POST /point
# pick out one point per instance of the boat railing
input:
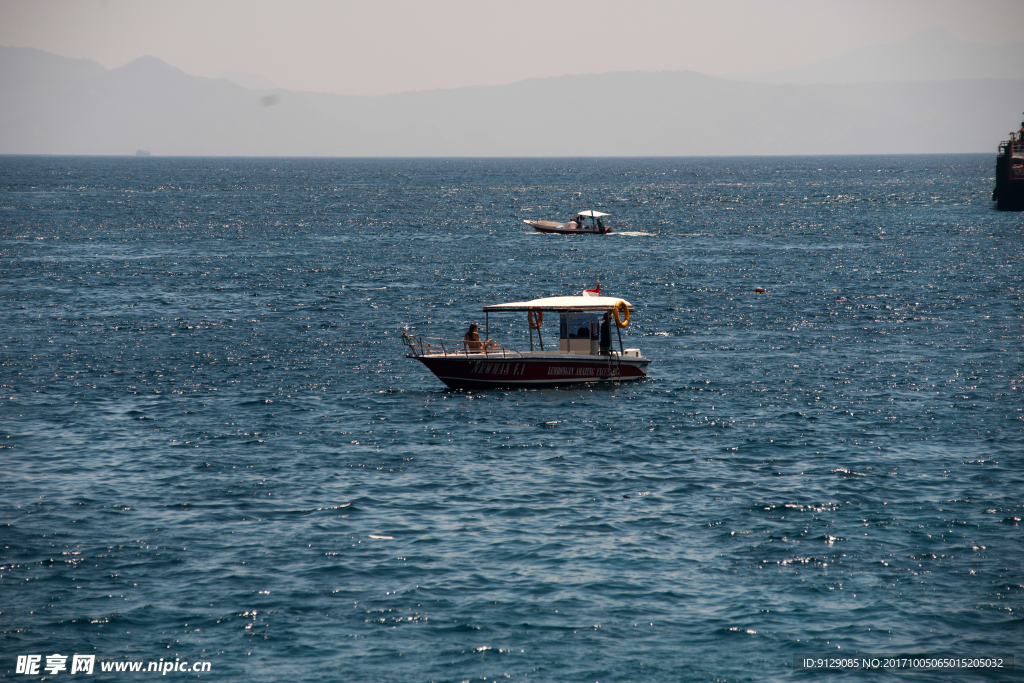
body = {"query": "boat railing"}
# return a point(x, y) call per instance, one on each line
point(448, 348)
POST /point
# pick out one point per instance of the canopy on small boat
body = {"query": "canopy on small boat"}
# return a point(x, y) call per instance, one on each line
point(562, 303)
point(592, 214)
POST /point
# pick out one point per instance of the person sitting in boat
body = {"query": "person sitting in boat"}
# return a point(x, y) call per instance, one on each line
point(573, 224)
point(472, 344)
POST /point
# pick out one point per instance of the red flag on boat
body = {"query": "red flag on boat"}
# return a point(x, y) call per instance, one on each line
point(596, 291)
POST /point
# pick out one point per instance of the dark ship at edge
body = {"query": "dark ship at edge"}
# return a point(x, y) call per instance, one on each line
point(1009, 192)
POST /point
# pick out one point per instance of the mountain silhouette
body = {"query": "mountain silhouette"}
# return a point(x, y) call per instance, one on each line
point(56, 105)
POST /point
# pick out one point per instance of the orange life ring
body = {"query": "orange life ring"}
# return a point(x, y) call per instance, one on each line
point(535, 317)
point(618, 320)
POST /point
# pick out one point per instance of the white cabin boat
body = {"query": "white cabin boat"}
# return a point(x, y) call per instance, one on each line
point(578, 358)
point(583, 223)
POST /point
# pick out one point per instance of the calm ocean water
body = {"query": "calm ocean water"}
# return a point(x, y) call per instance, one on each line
point(215, 451)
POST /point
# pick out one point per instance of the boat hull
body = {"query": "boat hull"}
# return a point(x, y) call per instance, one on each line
point(477, 371)
point(1009, 192)
point(563, 229)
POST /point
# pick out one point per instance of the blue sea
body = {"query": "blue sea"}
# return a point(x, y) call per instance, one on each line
point(214, 452)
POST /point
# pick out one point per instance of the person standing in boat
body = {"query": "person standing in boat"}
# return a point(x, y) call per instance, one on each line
point(606, 335)
point(471, 342)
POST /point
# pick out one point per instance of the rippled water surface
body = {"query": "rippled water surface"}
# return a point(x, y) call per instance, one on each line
point(214, 449)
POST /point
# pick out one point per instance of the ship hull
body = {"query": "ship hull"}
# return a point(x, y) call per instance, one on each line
point(532, 371)
point(1009, 192)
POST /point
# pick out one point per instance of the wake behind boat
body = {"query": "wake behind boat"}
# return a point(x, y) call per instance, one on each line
point(585, 350)
point(584, 223)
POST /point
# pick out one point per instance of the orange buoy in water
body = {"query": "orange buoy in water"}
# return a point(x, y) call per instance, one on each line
point(759, 290)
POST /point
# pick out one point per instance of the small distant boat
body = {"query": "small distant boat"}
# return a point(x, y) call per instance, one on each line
point(585, 352)
point(584, 223)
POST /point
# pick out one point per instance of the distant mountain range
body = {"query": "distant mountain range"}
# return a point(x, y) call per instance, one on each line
point(885, 100)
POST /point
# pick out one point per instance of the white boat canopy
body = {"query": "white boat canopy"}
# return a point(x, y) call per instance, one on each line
point(562, 303)
point(592, 214)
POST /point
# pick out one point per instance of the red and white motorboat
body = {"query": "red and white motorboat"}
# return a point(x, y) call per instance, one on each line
point(579, 357)
point(584, 223)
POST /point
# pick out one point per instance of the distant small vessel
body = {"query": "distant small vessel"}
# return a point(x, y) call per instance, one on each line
point(142, 152)
point(1009, 192)
point(584, 223)
point(585, 351)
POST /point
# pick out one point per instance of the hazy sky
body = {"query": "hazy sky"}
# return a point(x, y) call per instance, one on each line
point(381, 46)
